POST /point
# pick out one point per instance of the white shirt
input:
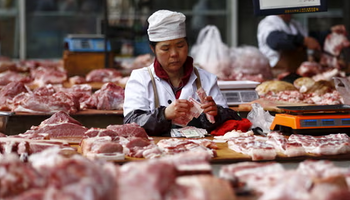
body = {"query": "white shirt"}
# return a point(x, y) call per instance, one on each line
point(139, 92)
point(275, 23)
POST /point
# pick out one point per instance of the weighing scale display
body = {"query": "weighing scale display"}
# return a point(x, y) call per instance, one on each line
point(324, 122)
point(238, 97)
point(82, 44)
point(86, 44)
point(345, 121)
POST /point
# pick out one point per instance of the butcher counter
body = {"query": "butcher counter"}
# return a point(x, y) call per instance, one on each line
point(14, 123)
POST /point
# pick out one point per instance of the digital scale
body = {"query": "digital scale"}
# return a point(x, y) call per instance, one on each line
point(313, 120)
point(238, 92)
point(86, 43)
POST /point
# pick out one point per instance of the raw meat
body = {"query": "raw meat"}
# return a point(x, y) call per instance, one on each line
point(129, 130)
point(100, 132)
point(149, 179)
point(51, 74)
point(332, 144)
point(253, 146)
point(59, 125)
point(309, 69)
point(285, 147)
point(202, 187)
point(12, 76)
point(252, 175)
point(79, 93)
point(103, 75)
point(174, 146)
point(109, 97)
point(17, 176)
point(74, 177)
point(77, 80)
point(58, 118)
point(9, 92)
point(44, 100)
point(190, 162)
point(102, 147)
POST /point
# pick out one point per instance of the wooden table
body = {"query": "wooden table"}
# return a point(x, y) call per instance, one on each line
point(228, 156)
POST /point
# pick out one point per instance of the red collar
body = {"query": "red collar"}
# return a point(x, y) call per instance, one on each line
point(161, 73)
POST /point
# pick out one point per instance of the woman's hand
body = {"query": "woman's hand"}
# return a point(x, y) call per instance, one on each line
point(178, 108)
point(210, 106)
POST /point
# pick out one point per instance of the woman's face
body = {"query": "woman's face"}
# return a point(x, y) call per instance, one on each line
point(172, 54)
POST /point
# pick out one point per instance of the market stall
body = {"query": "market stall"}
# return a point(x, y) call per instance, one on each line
point(62, 131)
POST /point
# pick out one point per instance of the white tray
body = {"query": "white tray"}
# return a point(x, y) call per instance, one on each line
point(237, 84)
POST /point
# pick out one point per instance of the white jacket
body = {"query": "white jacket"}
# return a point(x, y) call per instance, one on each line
point(275, 23)
point(139, 92)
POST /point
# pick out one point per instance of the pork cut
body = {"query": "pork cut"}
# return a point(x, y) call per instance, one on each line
point(9, 76)
point(9, 92)
point(102, 147)
point(254, 146)
point(148, 177)
point(59, 126)
point(109, 97)
point(52, 74)
point(332, 144)
point(201, 187)
point(129, 130)
point(104, 75)
point(44, 100)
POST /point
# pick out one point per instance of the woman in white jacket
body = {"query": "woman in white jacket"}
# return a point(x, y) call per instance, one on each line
point(157, 95)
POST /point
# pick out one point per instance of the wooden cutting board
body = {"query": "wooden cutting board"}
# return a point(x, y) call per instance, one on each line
point(226, 155)
point(269, 105)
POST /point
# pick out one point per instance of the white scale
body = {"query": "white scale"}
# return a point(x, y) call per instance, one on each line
point(238, 92)
point(86, 43)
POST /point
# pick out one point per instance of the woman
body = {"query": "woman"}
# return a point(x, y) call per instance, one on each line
point(157, 96)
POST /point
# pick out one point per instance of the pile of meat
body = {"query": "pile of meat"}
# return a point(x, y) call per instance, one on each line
point(310, 180)
point(331, 62)
point(278, 145)
point(35, 73)
point(114, 142)
point(302, 90)
point(17, 97)
point(39, 87)
point(100, 75)
point(248, 63)
point(51, 175)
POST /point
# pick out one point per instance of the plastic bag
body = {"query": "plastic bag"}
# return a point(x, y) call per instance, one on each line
point(210, 53)
point(260, 118)
point(248, 60)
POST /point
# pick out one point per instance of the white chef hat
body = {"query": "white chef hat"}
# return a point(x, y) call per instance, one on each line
point(166, 25)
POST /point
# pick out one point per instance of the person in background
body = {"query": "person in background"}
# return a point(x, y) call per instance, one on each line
point(287, 44)
point(174, 82)
point(284, 41)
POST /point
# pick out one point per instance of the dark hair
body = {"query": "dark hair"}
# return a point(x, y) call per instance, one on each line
point(153, 44)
